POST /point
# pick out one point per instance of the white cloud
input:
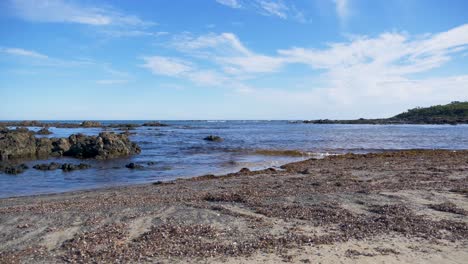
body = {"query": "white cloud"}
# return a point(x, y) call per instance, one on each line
point(227, 51)
point(23, 52)
point(167, 66)
point(230, 3)
point(355, 76)
point(61, 11)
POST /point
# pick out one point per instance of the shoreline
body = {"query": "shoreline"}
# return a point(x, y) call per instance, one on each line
point(355, 207)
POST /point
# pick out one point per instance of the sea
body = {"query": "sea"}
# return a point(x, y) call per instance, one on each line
point(179, 151)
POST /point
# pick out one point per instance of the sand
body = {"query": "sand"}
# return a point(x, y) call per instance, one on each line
point(394, 207)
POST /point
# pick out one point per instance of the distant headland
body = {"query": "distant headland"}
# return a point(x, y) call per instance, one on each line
point(454, 113)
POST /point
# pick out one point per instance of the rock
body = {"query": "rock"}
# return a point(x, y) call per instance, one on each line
point(150, 163)
point(91, 124)
point(128, 133)
point(45, 167)
point(19, 143)
point(123, 126)
point(244, 171)
point(43, 147)
point(13, 169)
point(71, 167)
point(65, 167)
point(154, 124)
point(133, 166)
point(44, 131)
point(105, 146)
point(214, 138)
point(60, 146)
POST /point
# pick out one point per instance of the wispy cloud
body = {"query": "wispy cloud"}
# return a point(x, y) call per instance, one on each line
point(342, 10)
point(61, 11)
point(230, 3)
point(180, 68)
point(32, 62)
point(24, 53)
point(274, 8)
point(133, 33)
point(167, 66)
point(111, 82)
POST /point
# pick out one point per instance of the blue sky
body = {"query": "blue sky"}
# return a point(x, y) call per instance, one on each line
point(229, 59)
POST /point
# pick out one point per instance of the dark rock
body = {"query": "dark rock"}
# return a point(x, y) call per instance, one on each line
point(44, 131)
point(128, 133)
point(133, 166)
point(45, 167)
point(244, 171)
point(214, 138)
point(105, 146)
point(91, 124)
point(21, 143)
point(13, 169)
point(60, 146)
point(123, 126)
point(71, 167)
point(151, 163)
point(65, 167)
point(154, 124)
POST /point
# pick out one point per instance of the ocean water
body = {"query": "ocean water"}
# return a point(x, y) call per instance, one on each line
point(179, 151)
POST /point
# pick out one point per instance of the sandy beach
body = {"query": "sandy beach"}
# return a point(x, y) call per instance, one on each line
point(393, 207)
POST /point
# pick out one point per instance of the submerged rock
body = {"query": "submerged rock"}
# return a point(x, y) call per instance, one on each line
point(44, 131)
point(65, 167)
point(133, 166)
point(71, 167)
point(13, 169)
point(154, 124)
point(214, 138)
point(45, 167)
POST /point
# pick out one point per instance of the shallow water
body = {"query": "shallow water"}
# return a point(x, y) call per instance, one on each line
point(179, 150)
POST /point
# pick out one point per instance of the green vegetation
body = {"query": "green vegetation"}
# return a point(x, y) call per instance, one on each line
point(455, 111)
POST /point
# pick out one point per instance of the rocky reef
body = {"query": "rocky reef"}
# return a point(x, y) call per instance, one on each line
point(22, 143)
point(214, 138)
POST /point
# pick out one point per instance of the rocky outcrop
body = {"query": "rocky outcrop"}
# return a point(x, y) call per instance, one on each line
point(214, 138)
point(154, 124)
point(91, 124)
point(21, 143)
point(43, 131)
point(105, 146)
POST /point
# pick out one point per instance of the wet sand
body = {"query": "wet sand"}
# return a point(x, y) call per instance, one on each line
point(393, 207)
